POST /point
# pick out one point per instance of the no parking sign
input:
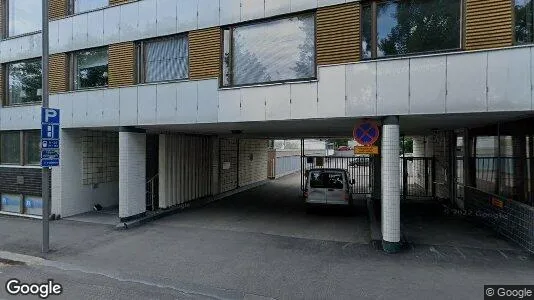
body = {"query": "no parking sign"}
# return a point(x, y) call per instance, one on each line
point(366, 133)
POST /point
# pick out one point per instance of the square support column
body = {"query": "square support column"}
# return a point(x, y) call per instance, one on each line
point(132, 174)
point(391, 185)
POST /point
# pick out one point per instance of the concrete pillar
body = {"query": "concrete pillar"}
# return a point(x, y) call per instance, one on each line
point(391, 185)
point(519, 148)
point(418, 166)
point(132, 173)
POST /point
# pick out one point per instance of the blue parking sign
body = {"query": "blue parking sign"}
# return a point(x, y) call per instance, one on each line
point(50, 129)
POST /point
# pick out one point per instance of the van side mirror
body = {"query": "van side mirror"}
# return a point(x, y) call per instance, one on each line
point(352, 181)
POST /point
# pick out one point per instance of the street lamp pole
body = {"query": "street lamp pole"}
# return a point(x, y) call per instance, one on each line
point(45, 170)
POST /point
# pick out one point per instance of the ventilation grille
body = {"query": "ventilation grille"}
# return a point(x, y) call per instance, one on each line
point(488, 24)
point(58, 79)
point(338, 34)
point(121, 64)
point(204, 53)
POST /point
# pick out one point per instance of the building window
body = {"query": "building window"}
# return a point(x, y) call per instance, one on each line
point(24, 16)
point(10, 148)
point(12, 152)
point(79, 6)
point(391, 28)
point(24, 82)
point(270, 51)
point(32, 141)
point(524, 23)
point(164, 59)
point(90, 68)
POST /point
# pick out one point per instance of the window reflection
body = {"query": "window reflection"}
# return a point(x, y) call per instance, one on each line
point(91, 68)
point(166, 59)
point(24, 16)
point(24, 82)
point(405, 27)
point(523, 21)
point(270, 51)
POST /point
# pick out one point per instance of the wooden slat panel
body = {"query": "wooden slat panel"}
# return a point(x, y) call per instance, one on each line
point(338, 34)
point(111, 2)
point(488, 24)
point(58, 79)
point(58, 9)
point(204, 53)
point(121, 68)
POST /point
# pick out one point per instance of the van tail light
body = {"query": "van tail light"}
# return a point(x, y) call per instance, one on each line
point(346, 196)
point(305, 193)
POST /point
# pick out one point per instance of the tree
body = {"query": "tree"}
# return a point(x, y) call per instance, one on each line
point(406, 145)
point(304, 67)
point(420, 26)
point(523, 21)
point(25, 79)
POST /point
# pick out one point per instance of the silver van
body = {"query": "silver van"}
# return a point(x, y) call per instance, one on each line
point(328, 187)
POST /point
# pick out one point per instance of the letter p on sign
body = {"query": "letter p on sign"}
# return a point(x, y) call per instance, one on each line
point(50, 116)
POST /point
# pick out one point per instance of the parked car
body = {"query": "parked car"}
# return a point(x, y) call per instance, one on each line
point(328, 187)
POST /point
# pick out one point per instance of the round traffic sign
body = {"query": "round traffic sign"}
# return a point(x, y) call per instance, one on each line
point(366, 132)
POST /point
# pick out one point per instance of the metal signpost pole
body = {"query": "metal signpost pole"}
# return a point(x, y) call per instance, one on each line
point(46, 170)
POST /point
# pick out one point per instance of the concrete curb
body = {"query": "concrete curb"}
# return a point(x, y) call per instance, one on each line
point(376, 232)
point(151, 216)
point(21, 258)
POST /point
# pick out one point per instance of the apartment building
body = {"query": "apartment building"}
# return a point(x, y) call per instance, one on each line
point(187, 92)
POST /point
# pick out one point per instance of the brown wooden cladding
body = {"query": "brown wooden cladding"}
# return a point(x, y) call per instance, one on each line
point(204, 53)
point(111, 2)
point(59, 70)
point(488, 24)
point(121, 68)
point(338, 34)
point(58, 9)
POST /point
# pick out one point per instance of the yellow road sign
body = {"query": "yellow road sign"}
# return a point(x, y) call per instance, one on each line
point(373, 150)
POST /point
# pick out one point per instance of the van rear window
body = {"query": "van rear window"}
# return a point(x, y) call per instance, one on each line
point(326, 179)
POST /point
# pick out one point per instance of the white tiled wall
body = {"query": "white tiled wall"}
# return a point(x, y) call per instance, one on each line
point(100, 157)
point(252, 161)
point(390, 184)
point(132, 174)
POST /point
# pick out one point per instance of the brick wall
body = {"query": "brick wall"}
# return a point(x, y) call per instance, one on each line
point(100, 157)
point(31, 178)
point(228, 164)
point(253, 158)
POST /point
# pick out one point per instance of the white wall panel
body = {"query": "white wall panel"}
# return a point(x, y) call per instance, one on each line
point(277, 100)
point(5, 51)
point(277, 7)
point(303, 100)
point(208, 101)
point(298, 5)
point(65, 104)
point(253, 103)
point(94, 107)
point(147, 19)
point(252, 9)
point(110, 104)
point(361, 89)
point(331, 92)
point(166, 16)
point(230, 11)
point(466, 82)
point(428, 85)
point(128, 21)
point(187, 102)
point(95, 29)
point(79, 32)
point(53, 36)
point(208, 13)
point(166, 107)
point(24, 47)
point(128, 106)
point(230, 105)
point(393, 87)
point(112, 18)
point(65, 34)
point(146, 104)
point(20, 117)
point(79, 109)
point(509, 81)
point(187, 15)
